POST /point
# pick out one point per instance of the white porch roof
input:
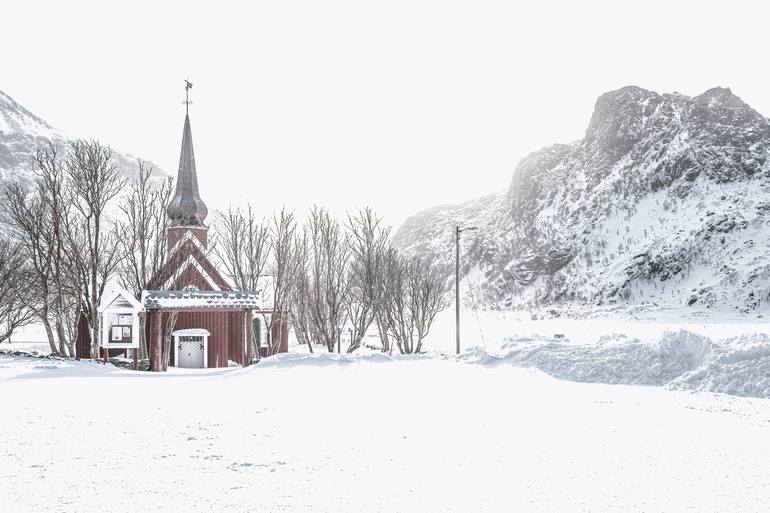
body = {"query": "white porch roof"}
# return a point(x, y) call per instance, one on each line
point(192, 332)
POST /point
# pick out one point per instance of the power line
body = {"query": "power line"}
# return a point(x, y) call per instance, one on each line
point(476, 311)
point(458, 231)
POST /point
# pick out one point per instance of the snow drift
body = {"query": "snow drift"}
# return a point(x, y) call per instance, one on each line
point(678, 360)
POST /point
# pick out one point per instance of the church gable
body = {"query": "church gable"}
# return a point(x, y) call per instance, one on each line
point(191, 276)
point(187, 265)
point(177, 235)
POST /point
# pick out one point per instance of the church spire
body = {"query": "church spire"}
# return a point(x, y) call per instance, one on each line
point(186, 207)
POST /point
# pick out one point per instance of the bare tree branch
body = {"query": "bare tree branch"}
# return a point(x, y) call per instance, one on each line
point(14, 309)
point(243, 245)
point(368, 245)
point(94, 180)
point(282, 269)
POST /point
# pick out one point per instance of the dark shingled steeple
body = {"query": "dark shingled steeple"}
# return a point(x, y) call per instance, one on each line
point(186, 207)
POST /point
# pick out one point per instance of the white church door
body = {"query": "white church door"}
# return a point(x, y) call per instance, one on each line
point(191, 349)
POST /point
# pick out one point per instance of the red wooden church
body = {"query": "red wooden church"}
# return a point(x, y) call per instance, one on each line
point(189, 299)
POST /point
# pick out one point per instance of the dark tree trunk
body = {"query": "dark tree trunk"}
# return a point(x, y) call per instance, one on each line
point(156, 327)
point(143, 336)
point(168, 340)
point(49, 334)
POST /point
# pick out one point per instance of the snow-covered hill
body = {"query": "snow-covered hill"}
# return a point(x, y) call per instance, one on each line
point(664, 202)
point(22, 133)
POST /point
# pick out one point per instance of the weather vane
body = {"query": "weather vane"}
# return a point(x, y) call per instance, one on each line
point(187, 102)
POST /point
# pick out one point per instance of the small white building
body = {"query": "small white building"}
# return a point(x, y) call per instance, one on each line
point(119, 313)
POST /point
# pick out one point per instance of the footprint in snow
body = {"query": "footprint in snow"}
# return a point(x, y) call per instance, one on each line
point(237, 466)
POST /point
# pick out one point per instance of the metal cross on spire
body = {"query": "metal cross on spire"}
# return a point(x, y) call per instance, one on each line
point(187, 86)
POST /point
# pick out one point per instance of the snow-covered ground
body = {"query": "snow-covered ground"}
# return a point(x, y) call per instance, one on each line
point(682, 349)
point(490, 430)
point(370, 433)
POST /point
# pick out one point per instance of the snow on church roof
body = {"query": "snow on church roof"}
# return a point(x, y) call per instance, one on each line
point(196, 299)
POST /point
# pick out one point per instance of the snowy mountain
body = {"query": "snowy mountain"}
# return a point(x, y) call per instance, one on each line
point(665, 202)
point(22, 132)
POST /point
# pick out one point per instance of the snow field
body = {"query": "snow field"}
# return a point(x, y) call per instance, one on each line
point(369, 433)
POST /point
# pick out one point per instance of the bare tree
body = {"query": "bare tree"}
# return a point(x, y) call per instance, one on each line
point(395, 303)
point(14, 309)
point(94, 180)
point(32, 232)
point(143, 238)
point(143, 228)
point(368, 247)
point(75, 255)
point(426, 291)
point(282, 269)
point(413, 297)
point(51, 194)
point(300, 292)
point(322, 283)
point(329, 254)
point(40, 220)
point(243, 245)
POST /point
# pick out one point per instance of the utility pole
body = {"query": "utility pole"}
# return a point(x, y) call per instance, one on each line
point(457, 286)
point(458, 231)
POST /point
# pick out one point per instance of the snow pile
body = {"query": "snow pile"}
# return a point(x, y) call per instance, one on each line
point(739, 366)
point(614, 359)
point(680, 360)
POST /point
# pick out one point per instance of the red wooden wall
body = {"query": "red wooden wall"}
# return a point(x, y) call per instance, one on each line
point(228, 340)
point(83, 338)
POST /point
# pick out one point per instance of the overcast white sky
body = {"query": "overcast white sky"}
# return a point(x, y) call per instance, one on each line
point(400, 105)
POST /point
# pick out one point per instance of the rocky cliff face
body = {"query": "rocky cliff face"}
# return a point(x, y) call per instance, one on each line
point(665, 202)
point(22, 133)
